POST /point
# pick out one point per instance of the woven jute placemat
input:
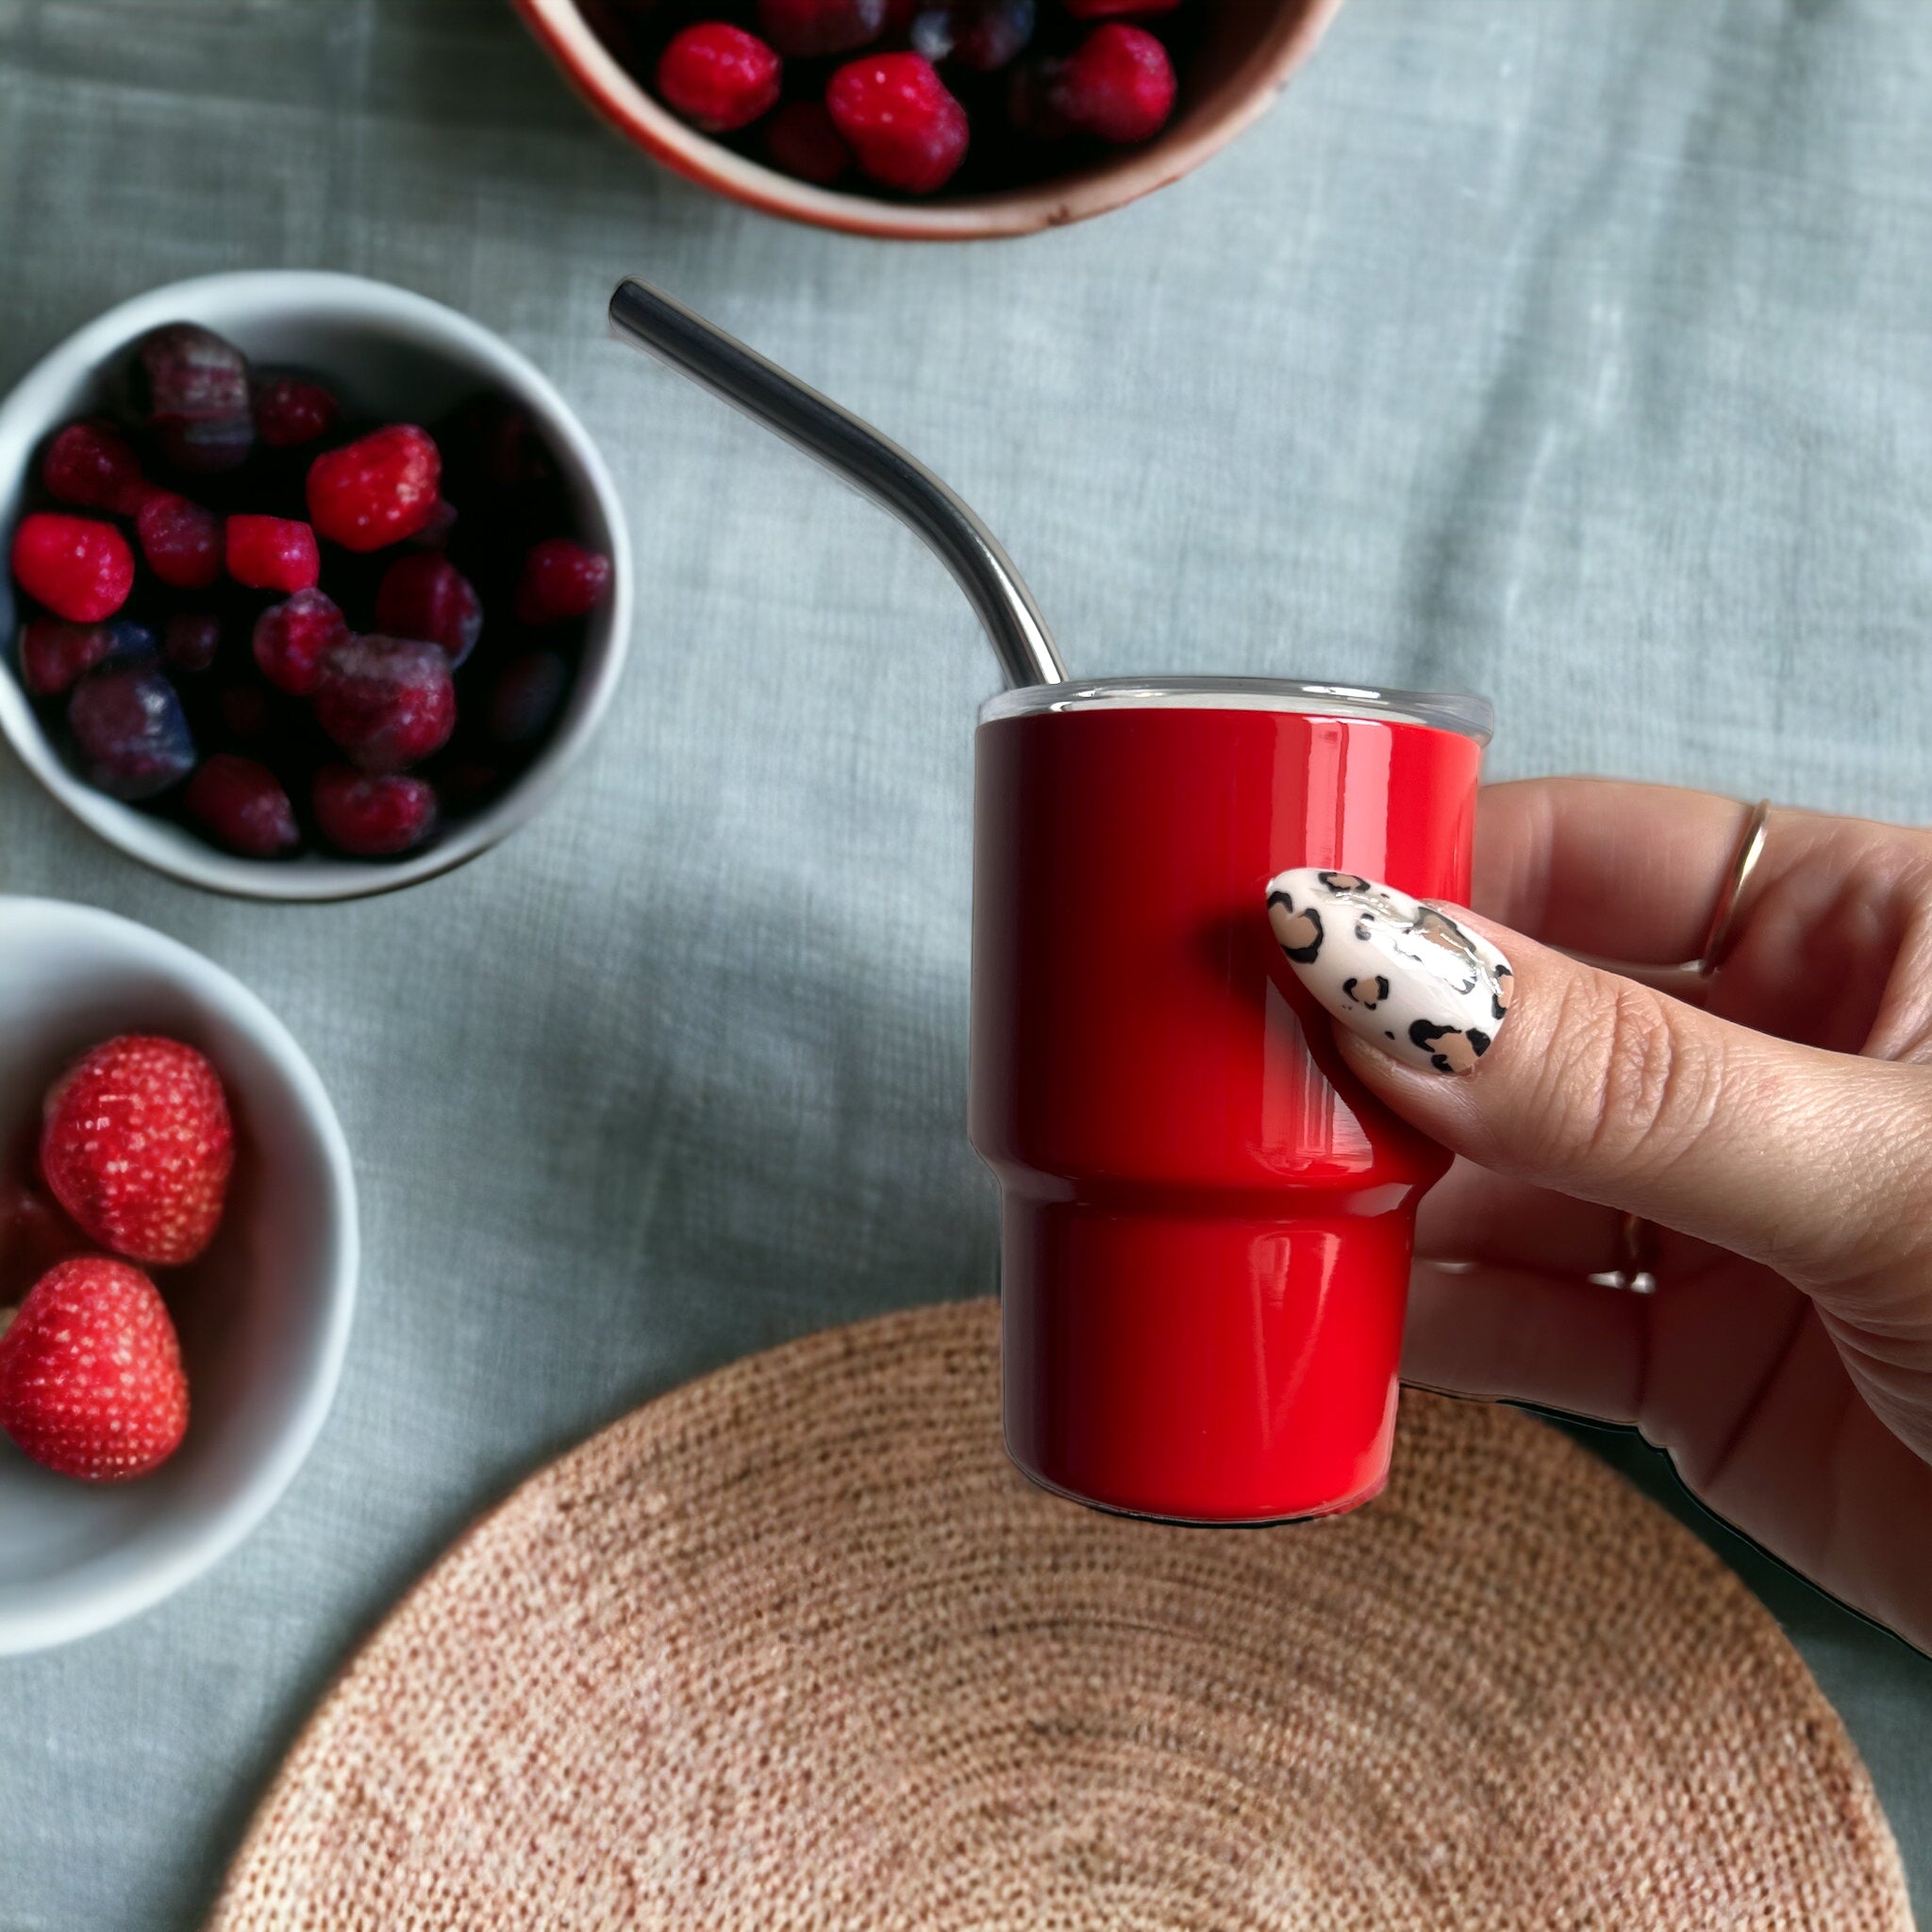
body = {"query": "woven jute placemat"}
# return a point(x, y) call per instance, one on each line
point(795, 1646)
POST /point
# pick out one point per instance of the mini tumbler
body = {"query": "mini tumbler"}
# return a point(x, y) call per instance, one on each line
point(1206, 1224)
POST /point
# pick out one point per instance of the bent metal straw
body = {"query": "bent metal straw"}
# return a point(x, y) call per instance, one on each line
point(876, 466)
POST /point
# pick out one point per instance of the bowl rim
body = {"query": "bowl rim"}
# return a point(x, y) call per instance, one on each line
point(36, 401)
point(561, 30)
point(24, 1630)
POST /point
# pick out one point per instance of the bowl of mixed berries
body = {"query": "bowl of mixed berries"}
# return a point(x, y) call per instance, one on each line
point(930, 119)
point(313, 586)
point(178, 1253)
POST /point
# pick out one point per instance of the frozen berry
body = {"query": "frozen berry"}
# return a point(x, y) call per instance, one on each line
point(247, 711)
point(387, 701)
point(561, 579)
point(190, 641)
point(800, 139)
point(272, 553)
point(493, 440)
point(291, 410)
point(377, 490)
point(425, 595)
point(127, 641)
point(194, 387)
point(137, 1143)
point(293, 639)
point(718, 77)
point(804, 27)
point(79, 568)
point(1118, 84)
point(897, 117)
point(90, 465)
point(983, 35)
point(91, 1378)
point(242, 805)
point(128, 724)
point(55, 654)
point(434, 533)
point(181, 540)
point(372, 816)
point(524, 698)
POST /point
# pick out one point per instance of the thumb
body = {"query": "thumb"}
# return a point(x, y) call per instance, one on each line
point(1606, 1089)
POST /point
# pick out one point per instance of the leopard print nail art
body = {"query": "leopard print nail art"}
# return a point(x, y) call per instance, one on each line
point(1402, 974)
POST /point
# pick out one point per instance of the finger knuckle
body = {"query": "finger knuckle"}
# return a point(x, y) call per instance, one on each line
point(1655, 1091)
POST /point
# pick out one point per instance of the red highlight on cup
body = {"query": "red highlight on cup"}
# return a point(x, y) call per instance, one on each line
point(1207, 1225)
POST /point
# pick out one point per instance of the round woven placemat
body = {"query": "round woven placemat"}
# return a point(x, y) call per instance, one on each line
point(795, 1646)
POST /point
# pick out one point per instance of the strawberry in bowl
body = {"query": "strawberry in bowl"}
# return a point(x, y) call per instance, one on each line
point(177, 1264)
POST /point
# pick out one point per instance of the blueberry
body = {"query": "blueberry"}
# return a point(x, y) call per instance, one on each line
point(129, 727)
point(128, 641)
point(980, 34)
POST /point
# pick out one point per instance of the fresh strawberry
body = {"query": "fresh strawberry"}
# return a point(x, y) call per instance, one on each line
point(136, 1145)
point(91, 1380)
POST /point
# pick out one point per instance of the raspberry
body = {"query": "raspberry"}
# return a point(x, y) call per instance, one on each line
point(387, 701)
point(79, 568)
point(54, 653)
point(897, 117)
point(425, 595)
point(377, 490)
point(800, 139)
point(293, 641)
point(804, 27)
point(88, 465)
point(272, 553)
point(983, 35)
point(91, 1378)
point(190, 641)
point(289, 410)
point(718, 77)
point(560, 580)
point(181, 540)
point(131, 732)
point(194, 387)
point(1118, 84)
point(373, 817)
point(242, 805)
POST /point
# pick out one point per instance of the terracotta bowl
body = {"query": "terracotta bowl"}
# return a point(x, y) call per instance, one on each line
point(1251, 49)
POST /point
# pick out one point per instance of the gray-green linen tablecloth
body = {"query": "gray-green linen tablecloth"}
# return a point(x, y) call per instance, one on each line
point(1575, 352)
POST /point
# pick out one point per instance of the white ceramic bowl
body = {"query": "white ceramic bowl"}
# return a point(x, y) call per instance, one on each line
point(394, 353)
point(263, 1315)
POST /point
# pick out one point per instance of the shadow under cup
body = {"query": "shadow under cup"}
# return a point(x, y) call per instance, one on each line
point(1206, 1223)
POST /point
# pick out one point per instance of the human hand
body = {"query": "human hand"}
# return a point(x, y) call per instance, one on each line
point(1773, 1121)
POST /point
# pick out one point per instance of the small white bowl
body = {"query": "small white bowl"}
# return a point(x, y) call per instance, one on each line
point(394, 353)
point(263, 1315)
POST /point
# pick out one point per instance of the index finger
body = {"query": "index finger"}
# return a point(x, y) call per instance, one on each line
point(1602, 866)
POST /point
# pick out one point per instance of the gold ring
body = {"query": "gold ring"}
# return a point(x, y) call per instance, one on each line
point(1750, 849)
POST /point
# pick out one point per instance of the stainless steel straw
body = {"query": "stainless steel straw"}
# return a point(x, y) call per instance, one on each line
point(858, 452)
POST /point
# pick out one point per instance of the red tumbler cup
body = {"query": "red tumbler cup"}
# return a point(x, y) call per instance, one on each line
point(1206, 1224)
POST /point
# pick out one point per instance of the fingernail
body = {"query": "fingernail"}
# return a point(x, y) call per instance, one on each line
point(1400, 974)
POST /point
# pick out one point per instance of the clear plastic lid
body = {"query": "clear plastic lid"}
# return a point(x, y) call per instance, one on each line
point(1442, 710)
